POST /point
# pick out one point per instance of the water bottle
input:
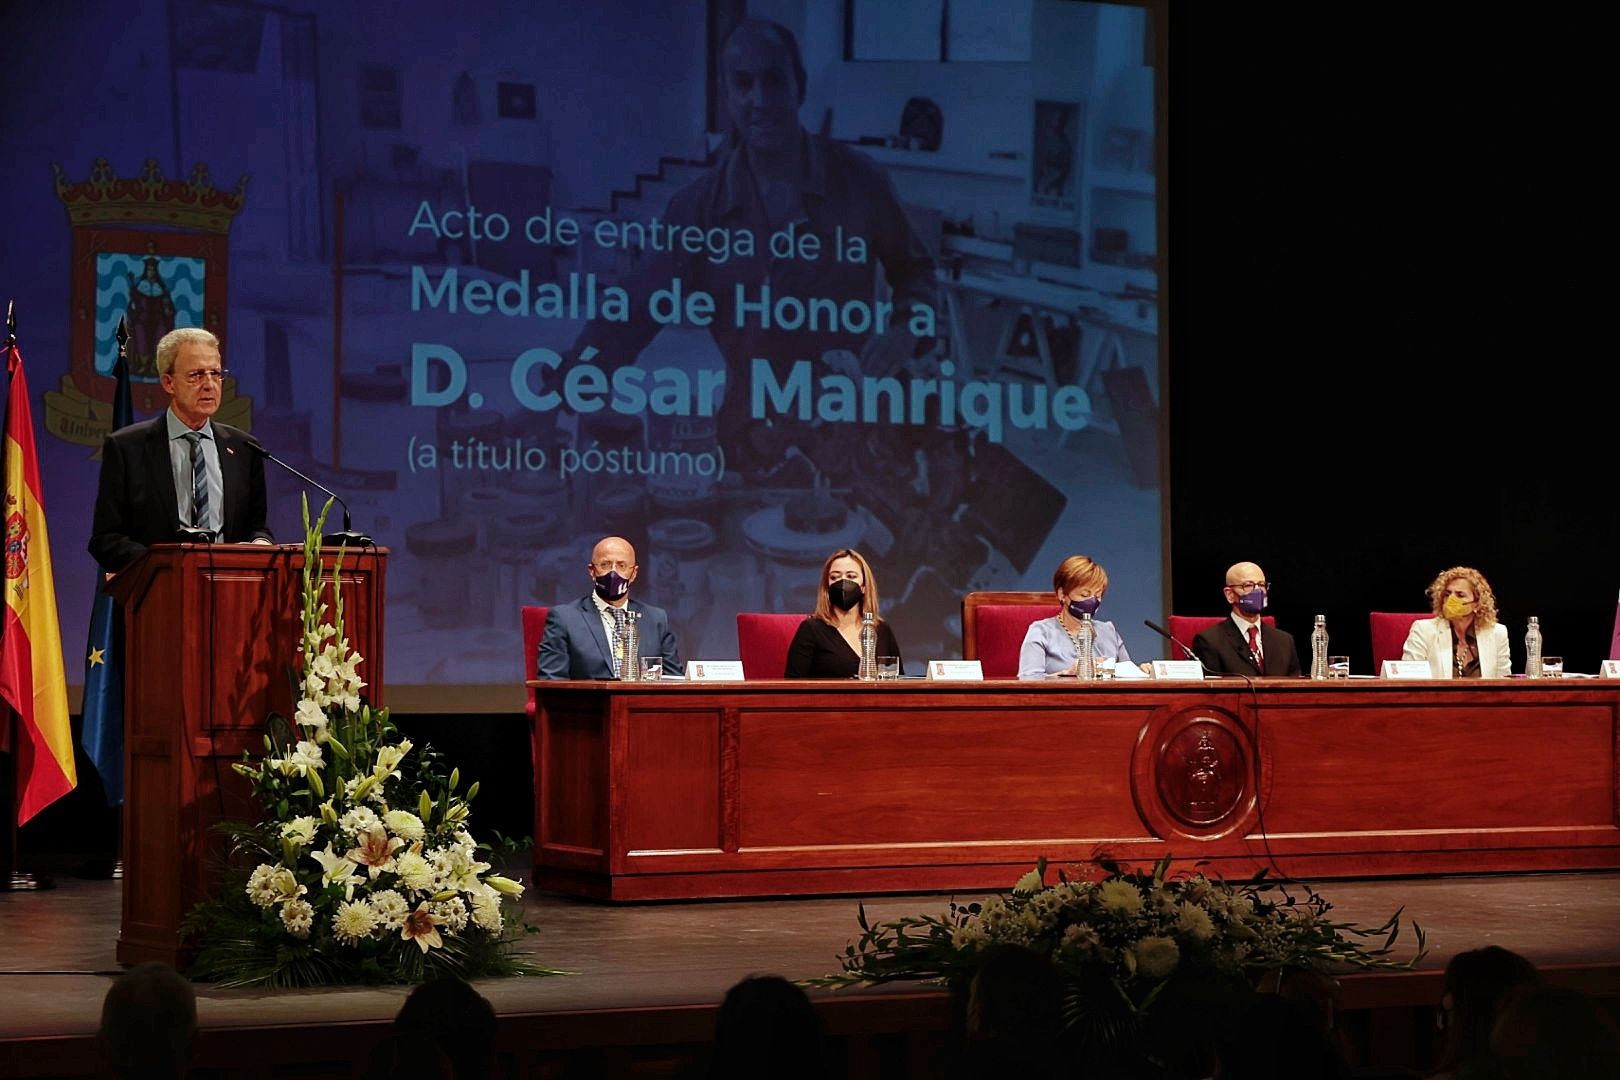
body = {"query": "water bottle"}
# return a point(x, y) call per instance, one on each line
point(1085, 645)
point(630, 648)
point(1532, 649)
point(868, 646)
point(1319, 647)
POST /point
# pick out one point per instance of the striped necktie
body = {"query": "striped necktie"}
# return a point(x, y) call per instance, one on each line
point(199, 481)
point(618, 638)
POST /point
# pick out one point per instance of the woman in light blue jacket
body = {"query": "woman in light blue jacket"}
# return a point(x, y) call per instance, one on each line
point(1050, 647)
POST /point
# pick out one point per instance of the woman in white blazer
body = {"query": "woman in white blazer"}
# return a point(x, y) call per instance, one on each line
point(1463, 640)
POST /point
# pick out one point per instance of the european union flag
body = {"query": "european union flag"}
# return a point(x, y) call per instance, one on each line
point(104, 655)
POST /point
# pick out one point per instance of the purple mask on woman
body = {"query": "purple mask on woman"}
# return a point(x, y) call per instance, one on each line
point(1086, 606)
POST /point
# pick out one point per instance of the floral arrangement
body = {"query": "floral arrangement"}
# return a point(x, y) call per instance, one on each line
point(1128, 941)
point(364, 870)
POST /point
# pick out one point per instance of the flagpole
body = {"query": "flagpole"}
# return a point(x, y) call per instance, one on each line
point(12, 877)
point(8, 772)
point(121, 405)
point(102, 711)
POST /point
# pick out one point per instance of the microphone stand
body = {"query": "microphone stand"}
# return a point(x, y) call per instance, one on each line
point(348, 536)
point(1191, 655)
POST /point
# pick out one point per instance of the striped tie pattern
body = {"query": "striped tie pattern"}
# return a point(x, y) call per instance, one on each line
point(618, 639)
point(199, 481)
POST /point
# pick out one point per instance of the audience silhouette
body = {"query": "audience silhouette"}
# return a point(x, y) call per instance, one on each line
point(148, 1022)
point(1554, 1033)
point(1476, 983)
point(456, 1018)
point(767, 1027)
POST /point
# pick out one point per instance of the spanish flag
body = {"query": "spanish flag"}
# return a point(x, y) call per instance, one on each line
point(31, 677)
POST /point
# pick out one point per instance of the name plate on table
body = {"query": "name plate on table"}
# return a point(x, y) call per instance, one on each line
point(956, 670)
point(714, 671)
point(1609, 670)
point(1177, 669)
point(1406, 669)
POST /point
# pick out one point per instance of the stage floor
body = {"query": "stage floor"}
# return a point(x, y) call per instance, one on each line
point(57, 951)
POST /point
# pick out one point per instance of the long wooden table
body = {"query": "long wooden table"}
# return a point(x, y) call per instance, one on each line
point(672, 790)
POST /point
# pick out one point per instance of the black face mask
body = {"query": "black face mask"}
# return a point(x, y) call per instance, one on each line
point(844, 594)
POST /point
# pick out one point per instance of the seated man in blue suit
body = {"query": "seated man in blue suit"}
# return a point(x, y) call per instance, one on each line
point(580, 638)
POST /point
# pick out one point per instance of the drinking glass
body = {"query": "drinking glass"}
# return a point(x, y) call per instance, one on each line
point(1552, 667)
point(1338, 667)
point(652, 668)
point(888, 667)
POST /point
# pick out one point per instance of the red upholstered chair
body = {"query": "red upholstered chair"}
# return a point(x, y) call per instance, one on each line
point(1389, 630)
point(994, 624)
point(534, 625)
point(762, 643)
point(1186, 627)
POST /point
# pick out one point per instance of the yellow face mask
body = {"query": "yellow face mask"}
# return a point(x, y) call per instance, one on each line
point(1454, 608)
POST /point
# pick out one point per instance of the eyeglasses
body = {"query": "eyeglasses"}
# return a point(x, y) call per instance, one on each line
point(1249, 586)
point(197, 378)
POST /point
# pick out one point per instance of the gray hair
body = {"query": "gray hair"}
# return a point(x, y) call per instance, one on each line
point(170, 344)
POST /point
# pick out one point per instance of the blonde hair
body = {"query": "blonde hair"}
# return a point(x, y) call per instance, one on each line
point(168, 346)
point(1485, 599)
point(1077, 571)
point(869, 602)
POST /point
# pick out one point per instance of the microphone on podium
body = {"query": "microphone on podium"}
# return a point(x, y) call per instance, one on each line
point(348, 535)
point(1183, 646)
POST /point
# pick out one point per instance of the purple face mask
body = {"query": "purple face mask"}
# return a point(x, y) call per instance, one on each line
point(612, 585)
point(1086, 606)
point(1252, 602)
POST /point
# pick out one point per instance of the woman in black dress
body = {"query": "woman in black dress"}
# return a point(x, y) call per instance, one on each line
point(828, 643)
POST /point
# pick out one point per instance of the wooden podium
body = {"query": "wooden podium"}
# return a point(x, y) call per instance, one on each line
point(210, 632)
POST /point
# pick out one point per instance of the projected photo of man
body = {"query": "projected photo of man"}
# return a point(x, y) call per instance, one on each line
point(774, 176)
point(852, 242)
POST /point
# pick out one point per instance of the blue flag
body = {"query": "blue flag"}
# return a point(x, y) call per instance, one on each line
point(104, 655)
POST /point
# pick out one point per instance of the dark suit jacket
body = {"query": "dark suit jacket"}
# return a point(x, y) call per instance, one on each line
point(1223, 649)
point(575, 644)
point(136, 504)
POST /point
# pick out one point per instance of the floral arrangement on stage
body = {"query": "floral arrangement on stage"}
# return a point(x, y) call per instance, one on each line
point(1127, 942)
point(363, 869)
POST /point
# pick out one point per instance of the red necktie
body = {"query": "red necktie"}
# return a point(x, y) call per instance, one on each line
point(1254, 649)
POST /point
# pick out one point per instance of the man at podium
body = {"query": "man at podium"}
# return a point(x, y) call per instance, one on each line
point(181, 474)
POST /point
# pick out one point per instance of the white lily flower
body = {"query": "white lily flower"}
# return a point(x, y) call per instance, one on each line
point(309, 715)
point(307, 756)
point(337, 869)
